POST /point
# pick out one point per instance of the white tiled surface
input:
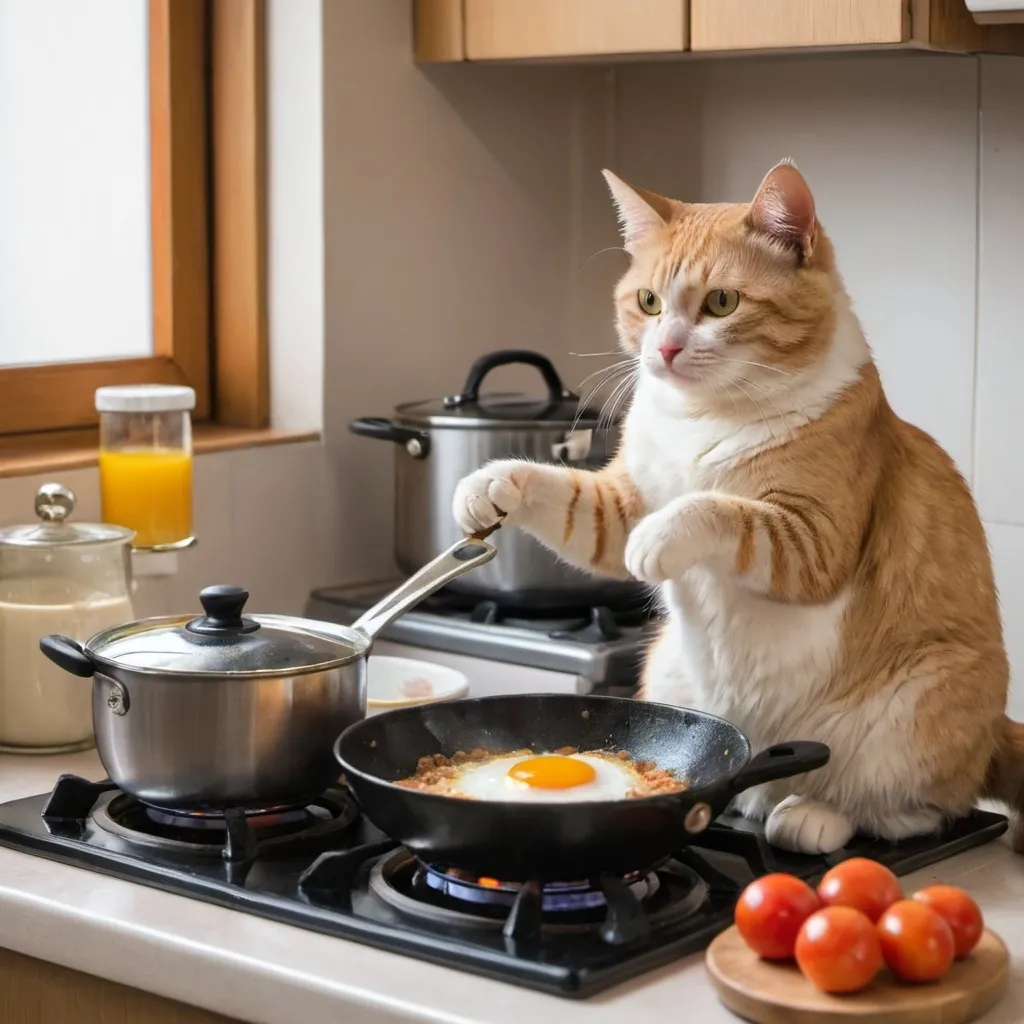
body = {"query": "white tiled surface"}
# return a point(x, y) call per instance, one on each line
point(1007, 544)
point(999, 479)
point(266, 973)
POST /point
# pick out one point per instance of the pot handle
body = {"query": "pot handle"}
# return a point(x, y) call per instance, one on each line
point(68, 654)
point(557, 392)
point(780, 762)
point(415, 442)
point(460, 558)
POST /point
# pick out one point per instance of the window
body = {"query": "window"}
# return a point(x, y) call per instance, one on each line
point(131, 206)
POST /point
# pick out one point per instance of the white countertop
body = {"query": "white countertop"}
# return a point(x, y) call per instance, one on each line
point(268, 973)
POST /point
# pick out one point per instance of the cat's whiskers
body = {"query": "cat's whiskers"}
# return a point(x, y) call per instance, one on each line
point(587, 355)
point(767, 395)
point(609, 370)
point(763, 366)
point(607, 374)
point(600, 252)
point(753, 401)
point(732, 397)
point(615, 400)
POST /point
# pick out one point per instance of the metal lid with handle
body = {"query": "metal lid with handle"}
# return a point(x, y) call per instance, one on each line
point(223, 641)
point(470, 408)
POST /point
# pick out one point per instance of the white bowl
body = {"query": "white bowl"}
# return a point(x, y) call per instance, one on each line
point(404, 683)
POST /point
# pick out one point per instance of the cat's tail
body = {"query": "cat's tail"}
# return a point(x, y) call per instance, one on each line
point(1005, 781)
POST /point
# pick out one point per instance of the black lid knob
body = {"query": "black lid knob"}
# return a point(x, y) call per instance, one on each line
point(223, 606)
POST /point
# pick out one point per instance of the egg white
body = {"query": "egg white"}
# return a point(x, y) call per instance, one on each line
point(490, 781)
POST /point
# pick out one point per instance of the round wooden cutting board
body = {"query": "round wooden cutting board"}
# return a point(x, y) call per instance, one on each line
point(777, 993)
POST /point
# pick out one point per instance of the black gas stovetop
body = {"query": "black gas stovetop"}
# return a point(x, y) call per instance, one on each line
point(328, 869)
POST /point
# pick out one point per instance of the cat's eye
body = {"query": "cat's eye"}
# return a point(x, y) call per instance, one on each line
point(721, 302)
point(649, 302)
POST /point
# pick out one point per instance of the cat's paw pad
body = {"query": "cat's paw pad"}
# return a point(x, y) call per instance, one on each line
point(657, 550)
point(806, 826)
point(485, 497)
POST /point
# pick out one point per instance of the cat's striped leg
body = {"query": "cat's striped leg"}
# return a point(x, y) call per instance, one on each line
point(584, 517)
point(787, 546)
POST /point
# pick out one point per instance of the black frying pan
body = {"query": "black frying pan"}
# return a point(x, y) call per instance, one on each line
point(520, 842)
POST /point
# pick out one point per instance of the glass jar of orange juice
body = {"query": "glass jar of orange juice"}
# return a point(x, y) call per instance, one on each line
point(146, 462)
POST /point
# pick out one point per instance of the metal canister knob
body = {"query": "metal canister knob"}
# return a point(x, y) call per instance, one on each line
point(54, 503)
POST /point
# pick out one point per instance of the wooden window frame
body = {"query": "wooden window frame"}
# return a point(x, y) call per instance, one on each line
point(208, 231)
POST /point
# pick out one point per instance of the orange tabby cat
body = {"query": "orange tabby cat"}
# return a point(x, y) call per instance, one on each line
point(821, 562)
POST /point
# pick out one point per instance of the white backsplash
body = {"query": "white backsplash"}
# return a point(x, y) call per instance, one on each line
point(259, 518)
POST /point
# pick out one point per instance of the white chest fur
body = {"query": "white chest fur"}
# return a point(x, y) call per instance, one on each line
point(757, 662)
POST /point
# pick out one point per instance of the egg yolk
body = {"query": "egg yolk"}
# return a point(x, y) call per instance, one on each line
point(552, 771)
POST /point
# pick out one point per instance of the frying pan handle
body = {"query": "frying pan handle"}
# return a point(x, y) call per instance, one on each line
point(780, 762)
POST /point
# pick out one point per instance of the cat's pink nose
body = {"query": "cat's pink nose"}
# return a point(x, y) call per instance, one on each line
point(669, 351)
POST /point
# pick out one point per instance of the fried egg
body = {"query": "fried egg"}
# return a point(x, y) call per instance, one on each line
point(548, 778)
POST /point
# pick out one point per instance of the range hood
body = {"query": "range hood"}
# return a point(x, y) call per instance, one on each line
point(997, 12)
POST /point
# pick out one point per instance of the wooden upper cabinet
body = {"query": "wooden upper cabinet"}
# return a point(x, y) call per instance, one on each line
point(534, 29)
point(785, 24)
point(482, 30)
point(724, 25)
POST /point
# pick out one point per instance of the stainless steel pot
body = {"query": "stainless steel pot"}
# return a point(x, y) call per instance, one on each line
point(198, 715)
point(439, 442)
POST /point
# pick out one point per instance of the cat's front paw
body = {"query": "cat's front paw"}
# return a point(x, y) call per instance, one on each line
point(489, 495)
point(663, 546)
point(807, 826)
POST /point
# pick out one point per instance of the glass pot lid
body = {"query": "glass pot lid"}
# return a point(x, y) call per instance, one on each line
point(224, 642)
point(54, 506)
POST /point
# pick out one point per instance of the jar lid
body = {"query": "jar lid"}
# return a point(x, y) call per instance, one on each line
point(145, 398)
point(54, 505)
point(223, 642)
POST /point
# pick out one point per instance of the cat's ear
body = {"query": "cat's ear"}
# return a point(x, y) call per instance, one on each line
point(783, 209)
point(640, 212)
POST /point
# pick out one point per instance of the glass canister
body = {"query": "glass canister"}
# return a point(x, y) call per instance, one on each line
point(55, 577)
point(146, 462)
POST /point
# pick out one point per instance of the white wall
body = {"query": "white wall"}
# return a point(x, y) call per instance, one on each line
point(449, 219)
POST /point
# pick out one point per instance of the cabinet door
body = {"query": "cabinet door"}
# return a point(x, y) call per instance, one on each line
point(787, 24)
point(511, 29)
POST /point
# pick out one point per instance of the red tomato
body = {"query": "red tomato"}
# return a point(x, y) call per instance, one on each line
point(860, 883)
point(770, 911)
point(961, 913)
point(916, 941)
point(838, 950)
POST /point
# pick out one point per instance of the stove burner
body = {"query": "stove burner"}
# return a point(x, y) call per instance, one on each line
point(598, 624)
point(235, 836)
point(618, 909)
point(627, 609)
point(218, 822)
point(556, 897)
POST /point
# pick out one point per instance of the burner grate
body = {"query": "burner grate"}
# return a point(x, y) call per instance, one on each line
point(617, 910)
point(234, 836)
